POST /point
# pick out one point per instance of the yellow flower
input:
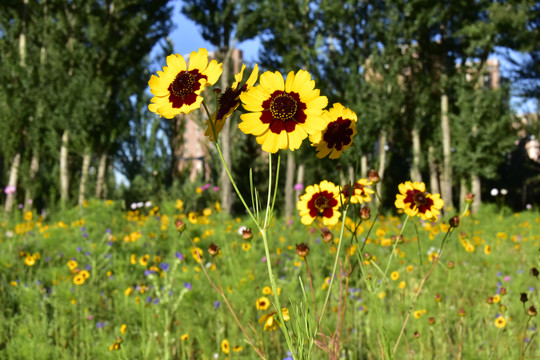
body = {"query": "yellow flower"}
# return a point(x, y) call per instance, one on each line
point(225, 346)
point(143, 260)
point(496, 298)
point(177, 88)
point(207, 212)
point(128, 291)
point(262, 303)
point(85, 274)
point(500, 322)
point(179, 205)
point(487, 249)
point(271, 321)
point(14, 283)
point(402, 284)
point(29, 260)
point(414, 200)
point(238, 348)
point(197, 253)
point(417, 314)
point(184, 337)
point(361, 194)
point(382, 295)
point(229, 100)
point(28, 216)
point(409, 268)
point(192, 217)
point(337, 136)
point(246, 246)
point(72, 265)
point(267, 290)
point(320, 200)
point(78, 279)
point(116, 345)
point(281, 114)
point(123, 329)
point(394, 275)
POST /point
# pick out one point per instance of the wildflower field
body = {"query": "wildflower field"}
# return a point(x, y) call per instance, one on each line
point(101, 282)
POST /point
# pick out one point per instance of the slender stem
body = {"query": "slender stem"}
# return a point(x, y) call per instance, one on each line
point(344, 216)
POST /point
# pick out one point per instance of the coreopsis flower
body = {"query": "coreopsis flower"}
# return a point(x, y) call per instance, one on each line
point(361, 192)
point(271, 321)
point(79, 279)
point(282, 113)
point(225, 347)
point(178, 87)
point(414, 200)
point(338, 134)
point(320, 200)
point(262, 303)
point(500, 322)
point(229, 100)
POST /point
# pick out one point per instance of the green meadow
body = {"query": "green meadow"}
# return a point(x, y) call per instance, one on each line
point(145, 294)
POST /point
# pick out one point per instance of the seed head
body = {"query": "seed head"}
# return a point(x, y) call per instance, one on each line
point(523, 297)
point(247, 235)
point(502, 291)
point(534, 272)
point(531, 311)
point(454, 221)
point(374, 176)
point(302, 250)
point(326, 235)
point(365, 213)
point(213, 249)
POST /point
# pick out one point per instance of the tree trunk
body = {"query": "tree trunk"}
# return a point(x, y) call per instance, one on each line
point(64, 172)
point(289, 185)
point(463, 190)
point(299, 179)
point(363, 167)
point(382, 160)
point(351, 178)
point(34, 168)
point(100, 182)
point(226, 186)
point(12, 182)
point(433, 172)
point(476, 186)
point(447, 160)
point(84, 175)
point(416, 152)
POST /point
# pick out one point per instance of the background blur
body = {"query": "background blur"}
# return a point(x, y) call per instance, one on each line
point(445, 93)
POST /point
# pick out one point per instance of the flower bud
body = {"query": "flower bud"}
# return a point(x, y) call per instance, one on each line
point(531, 311)
point(438, 298)
point(431, 321)
point(213, 249)
point(523, 297)
point(374, 176)
point(534, 272)
point(326, 235)
point(461, 312)
point(450, 265)
point(489, 300)
point(302, 250)
point(416, 334)
point(502, 291)
point(365, 213)
point(180, 226)
point(469, 198)
point(454, 221)
point(247, 235)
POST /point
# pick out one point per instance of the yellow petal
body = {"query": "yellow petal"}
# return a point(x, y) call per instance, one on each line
point(198, 60)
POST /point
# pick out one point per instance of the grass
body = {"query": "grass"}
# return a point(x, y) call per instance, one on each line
point(148, 298)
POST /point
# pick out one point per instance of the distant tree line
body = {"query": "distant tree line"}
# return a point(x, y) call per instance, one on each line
point(73, 99)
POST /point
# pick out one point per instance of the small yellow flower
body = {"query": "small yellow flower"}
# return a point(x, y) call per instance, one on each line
point(402, 284)
point(28, 216)
point(207, 212)
point(382, 295)
point(394, 275)
point(500, 322)
point(72, 265)
point(246, 246)
point(487, 249)
point(128, 291)
point(78, 279)
point(179, 205)
point(85, 274)
point(192, 217)
point(225, 346)
point(184, 337)
point(29, 260)
point(14, 283)
point(267, 290)
point(262, 303)
point(123, 329)
point(238, 348)
point(415, 201)
point(496, 298)
point(417, 314)
point(409, 268)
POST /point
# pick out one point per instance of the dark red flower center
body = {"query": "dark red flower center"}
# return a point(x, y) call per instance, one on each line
point(183, 88)
point(418, 199)
point(227, 101)
point(322, 204)
point(338, 134)
point(283, 111)
point(359, 187)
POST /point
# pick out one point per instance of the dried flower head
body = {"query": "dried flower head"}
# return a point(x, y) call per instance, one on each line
point(302, 250)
